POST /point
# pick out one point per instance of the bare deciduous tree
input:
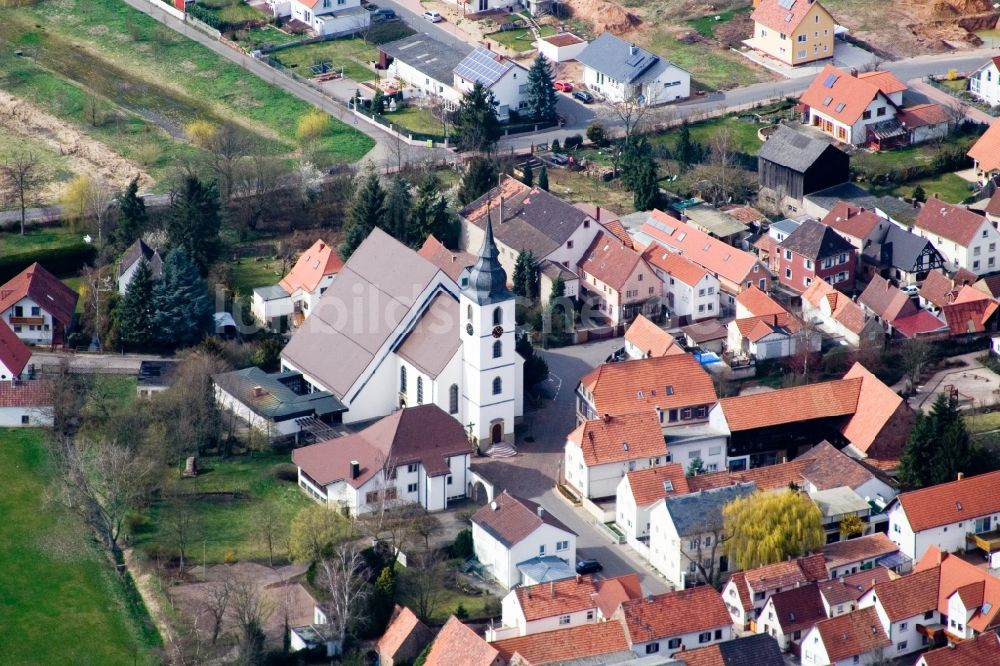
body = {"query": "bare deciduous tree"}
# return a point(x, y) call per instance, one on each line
point(268, 529)
point(180, 525)
point(915, 354)
point(23, 175)
point(255, 179)
point(216, 605)
point(228, 146)
point(251, 609)
point(118, 480)
point(341, 575)
point(423, 579)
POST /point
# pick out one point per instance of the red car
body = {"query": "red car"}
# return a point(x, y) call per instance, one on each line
point(564, 86)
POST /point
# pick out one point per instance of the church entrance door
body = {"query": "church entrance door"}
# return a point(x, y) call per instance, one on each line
point(496, 433)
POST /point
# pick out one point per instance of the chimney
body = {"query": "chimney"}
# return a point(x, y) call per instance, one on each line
point(854, 72)
point(633, 49)
point(961, 475)
point(540, 511)
point(597, 213)
point(552, 589)
point(355, 469)
point(607, 417)
point(258, 391)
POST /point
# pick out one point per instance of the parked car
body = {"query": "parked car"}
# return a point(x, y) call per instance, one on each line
point(583, 96)
point(615, 356)
point(433, 17)
point(383, 15)
point(564, 86)
point(588, 566)
point(910, 289)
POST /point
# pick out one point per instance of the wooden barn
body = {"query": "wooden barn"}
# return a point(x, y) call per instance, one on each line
point(792, 164)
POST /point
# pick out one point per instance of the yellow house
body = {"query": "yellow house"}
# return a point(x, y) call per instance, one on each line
point(793, 31)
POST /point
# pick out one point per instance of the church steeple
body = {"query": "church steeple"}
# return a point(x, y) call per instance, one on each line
point(487, 278)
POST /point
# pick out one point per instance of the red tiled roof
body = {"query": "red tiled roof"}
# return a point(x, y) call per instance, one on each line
point(714, 255)
point(744, 214)
point(667, 382)
point(14, 354)
point(651, 339)
point(33, 393)
point(319, 261)
point(674, 264)
point(613, 592)
point(788, 405)
point(884, 81)
point(842, 308)
point(566, 645)
point(983, 650)
point(920, 323)
point(570, 595)
point(957, 576)
point(921, 115)
point(952, 502)
point(853, 221)
point(457, 645)
point(842, 553)
point(758, 328)
point(986, 150)
point(878, 404)
point(759, 304)
point(937, 288)
point(956, 223)
point(423, 434)
point(799, 608)
point(910, 595)
point(808, 569)
point(617, 229)
point(886, 300)
point(780, 17)
point(615, 439)
point(674, 614)
point(402, 625)
point(830, 468)
point(612, 262)
point(769, 477)
point(851, 634)
point(648, 485)
point(845, 100)
point(43, 288)
point(851, 588)
point(514, 519)
point(452, 262)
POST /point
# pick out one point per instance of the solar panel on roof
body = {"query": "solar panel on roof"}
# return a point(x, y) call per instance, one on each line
point(482, 65)
point(635, 60)
point(830, 80)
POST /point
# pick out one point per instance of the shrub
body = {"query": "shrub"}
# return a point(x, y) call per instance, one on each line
point(595, 133)
point(286, 472)
point(555, 146)
point(572, 142)
point(462, 545)
point(461, 613)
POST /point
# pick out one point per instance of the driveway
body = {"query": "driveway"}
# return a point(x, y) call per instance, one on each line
point(534, 471)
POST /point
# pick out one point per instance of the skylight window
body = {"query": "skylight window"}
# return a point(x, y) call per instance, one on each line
point(831, 80)
point(826, 101)
point(841, 107)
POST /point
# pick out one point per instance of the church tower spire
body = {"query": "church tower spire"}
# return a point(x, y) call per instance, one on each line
point(487, 278)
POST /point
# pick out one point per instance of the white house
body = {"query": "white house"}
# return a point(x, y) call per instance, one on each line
point(857, 109)
point(903, 604)
point(299, 291)
point(416, 455)
point(965, 239)
point(273, 404)
point(37, 306)
point(943, 515)
point(561, 47)
point(764, 329)
point(324, 17)
point(314, 635)
point(620, 71)
point(437, 343)
point(644, 339)
point(666, 624)
point(845, 640)
point(25, 404)
point(571, 602)
point(787, 615)
point(689, 290)
point(14, 355)
point(510, 531)
point(637, 493)
point(425, 67)
point(864, 553)
point(131, 259)
point(747, 592)
point(601, 451)
point(507, 80)
point(837, 315)
point(685, 542)
point(984, 83)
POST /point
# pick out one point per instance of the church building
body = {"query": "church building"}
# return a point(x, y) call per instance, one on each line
point(394, 330)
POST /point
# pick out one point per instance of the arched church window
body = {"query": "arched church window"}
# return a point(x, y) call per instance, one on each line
point(420, 390)
point(497, 386)
point(402, 379)
point(497, 349)
point(497, 316)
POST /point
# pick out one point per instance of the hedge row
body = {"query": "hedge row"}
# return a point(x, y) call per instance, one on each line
point(58, 260)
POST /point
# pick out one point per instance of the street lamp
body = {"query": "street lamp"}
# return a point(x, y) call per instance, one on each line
point(98, 288)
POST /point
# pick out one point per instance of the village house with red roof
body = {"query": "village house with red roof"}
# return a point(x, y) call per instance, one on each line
point(14, 354)
point(837, 315)
point(983, 650)
point(616, 282)
point(985, 154)
point(297, 294)
point(747, 592)
point(814, 251)
point(764, 329)
point(666, 624)
point(637, 492)
point(690, 292)
point(964, 238)
point(794, 32)
point(404, 639)
point(645, 339)
point(38, 307)
point(458, 645)
point(984, 83)
point(570, 602)
point(851, 638)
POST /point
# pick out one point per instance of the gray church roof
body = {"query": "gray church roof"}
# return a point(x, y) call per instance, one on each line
point(700, 512)
point(793, 149)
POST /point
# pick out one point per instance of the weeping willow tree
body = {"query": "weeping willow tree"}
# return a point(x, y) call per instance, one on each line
point(769, 527)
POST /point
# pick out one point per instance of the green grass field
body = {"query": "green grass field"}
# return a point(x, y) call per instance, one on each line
point(352, 54)
point(155, 79)
point(266, 35)
point(416, 119)
point(37, 239)
point(227, 496)
point(61, 603)
point(705, 25)
point(233, 11)
point(948, 187)
point(248, 274)
point(744, 134)
point(520, 39)
point(711, 68)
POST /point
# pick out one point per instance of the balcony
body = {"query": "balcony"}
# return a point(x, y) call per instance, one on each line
point(987, 542)
point(27, 321)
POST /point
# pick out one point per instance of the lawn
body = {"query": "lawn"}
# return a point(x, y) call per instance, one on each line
point(948, 187)
point(352, 54)
point(161, 79)
point(519, 39)
point(705, 25)
point(61, 602)
point(977, 423)
point(38, 239)
point(416, 119)
point(263, 36)
point(233, 11)
point(76, 284)
point(476, 605)
point(744, 134)
point(578, 187)
point(227, 498)
point(958, 85)
point(710, 68)
point(247, 274)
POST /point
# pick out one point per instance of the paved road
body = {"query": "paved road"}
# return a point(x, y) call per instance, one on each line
point(113, 364)
point(534, 471)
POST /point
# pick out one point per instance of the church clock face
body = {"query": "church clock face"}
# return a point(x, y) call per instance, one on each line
point(497, 331)
point(469, 329)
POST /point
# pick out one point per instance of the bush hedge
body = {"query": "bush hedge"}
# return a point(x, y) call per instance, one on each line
point(57, 260)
